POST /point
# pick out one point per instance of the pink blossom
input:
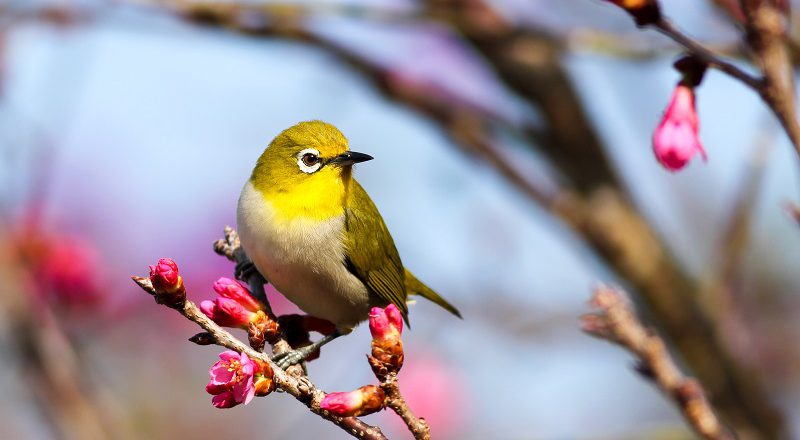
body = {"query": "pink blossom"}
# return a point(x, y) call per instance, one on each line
point(164, 275)
point(232, 381)
point(385, 324)
point(365, 400)
point(676, 140)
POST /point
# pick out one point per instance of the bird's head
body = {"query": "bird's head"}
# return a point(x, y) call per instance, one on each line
point(308, 159)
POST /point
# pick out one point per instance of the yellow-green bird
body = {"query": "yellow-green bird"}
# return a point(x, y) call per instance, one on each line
point(315, 234)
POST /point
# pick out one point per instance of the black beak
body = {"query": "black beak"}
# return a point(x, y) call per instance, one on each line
point(351, 157)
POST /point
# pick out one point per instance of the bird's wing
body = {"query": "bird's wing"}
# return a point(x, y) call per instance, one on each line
point(370, 252)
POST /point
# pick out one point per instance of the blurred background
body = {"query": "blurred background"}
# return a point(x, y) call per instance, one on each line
point(513, 167)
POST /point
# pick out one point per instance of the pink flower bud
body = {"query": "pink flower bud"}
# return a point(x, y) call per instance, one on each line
point(386, 326)
point(228, 288)
point(365, 400)
point(676, 140)
point(232, 380)
point(164, 275)
point(386, 323)
point(235, 307)
point(227, 313)
point(168, 284)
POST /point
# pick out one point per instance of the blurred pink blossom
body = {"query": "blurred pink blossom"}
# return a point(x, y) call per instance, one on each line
point(68, 271)
point(676, 140)
point(436, 391)
point(231, 381)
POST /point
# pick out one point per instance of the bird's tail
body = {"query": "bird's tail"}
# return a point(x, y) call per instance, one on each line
point(417, 287)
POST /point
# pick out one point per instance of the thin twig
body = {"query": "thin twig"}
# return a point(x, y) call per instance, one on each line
point(298, 386)
point(616, 321)
point(667, 28)
point(395, 401)
point(387, 376)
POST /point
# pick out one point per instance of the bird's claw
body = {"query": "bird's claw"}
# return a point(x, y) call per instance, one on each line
point(287, 359)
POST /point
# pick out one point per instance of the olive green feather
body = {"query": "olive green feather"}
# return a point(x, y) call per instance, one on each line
point(374, 259)
point(417, 287)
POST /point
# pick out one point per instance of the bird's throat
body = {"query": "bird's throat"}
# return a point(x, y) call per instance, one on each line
point(312, 199)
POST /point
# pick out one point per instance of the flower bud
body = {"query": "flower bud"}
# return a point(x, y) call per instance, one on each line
point(386, 326)
point(235, 307)
point(226, 312)
point(203, 338)
point(676, 140)
point(263, 380)
point(262, 329)
point(362, 401)
point(644, 12)
point(167, 283)
point(228, 288)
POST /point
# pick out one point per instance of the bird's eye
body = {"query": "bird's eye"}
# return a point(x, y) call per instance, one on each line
point(310, 159)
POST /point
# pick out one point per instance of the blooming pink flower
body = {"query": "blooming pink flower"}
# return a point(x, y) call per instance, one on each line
point(234, 308)
point(231, 381)
point(164, 275)
point(676, 139)
point(386, 323)
point(365, 400)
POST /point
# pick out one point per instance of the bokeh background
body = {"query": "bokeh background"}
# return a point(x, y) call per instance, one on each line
point(128, 128)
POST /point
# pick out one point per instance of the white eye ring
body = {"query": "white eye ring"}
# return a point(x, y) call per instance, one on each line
point(308, 168)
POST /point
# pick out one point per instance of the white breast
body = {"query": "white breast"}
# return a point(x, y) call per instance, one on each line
point(303, 259)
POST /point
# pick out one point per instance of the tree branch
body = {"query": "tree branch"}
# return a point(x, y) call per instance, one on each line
point(298, 386)
point(616, 321)
point(666, 27)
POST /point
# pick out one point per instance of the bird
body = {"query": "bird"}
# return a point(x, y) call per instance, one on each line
point(315, 234)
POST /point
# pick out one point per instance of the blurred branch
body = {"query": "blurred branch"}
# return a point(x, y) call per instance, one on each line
point(530, 63)
point(300, 387)
point(615, 320)
point(718, 295)
point(629, 47)
point(767, 36)
point(49, 364)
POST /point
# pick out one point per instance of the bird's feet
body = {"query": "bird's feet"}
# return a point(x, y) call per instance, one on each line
point(293, 357)
point(244, 270)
